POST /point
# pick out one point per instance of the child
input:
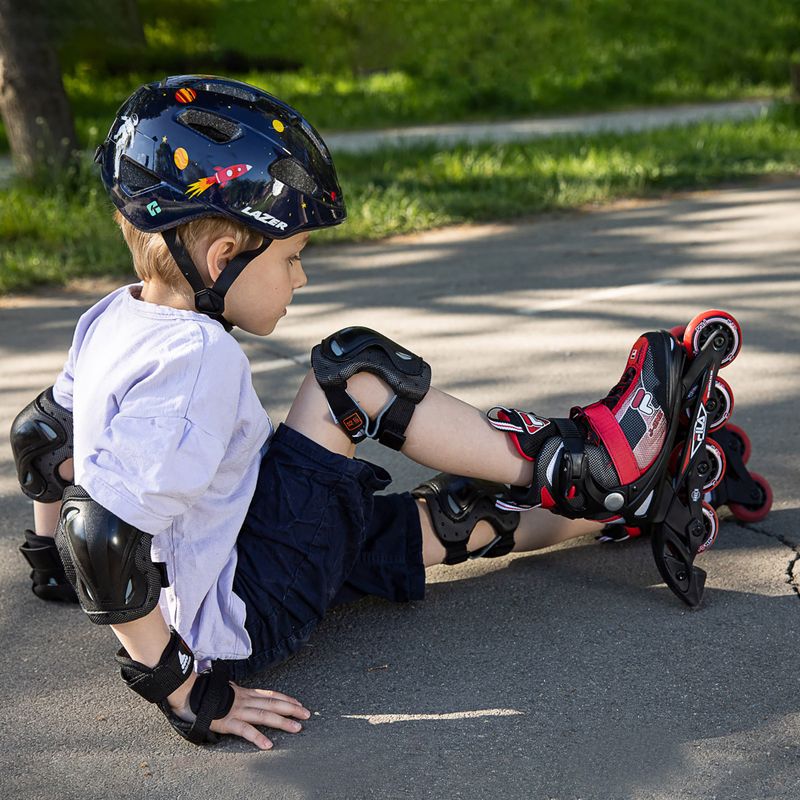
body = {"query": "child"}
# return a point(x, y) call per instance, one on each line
point(201, 535)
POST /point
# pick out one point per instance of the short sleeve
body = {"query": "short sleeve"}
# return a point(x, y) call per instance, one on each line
point(150, 470)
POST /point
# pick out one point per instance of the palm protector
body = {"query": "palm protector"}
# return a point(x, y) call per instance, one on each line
point(107, 561)
point(456, 505)
point(350, 350)
point(211, 696)
point(41, 438)
point(47, 572)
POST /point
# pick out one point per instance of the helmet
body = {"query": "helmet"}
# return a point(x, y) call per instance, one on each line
point(192, 146)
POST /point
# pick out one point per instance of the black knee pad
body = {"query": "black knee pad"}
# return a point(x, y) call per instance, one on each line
point(41, 438)
point(457, 505)
point(350, 350)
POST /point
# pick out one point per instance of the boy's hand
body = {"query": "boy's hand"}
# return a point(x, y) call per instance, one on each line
point(251, 707)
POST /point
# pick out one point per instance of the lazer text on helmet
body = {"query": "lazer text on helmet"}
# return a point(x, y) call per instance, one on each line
point(262, 216)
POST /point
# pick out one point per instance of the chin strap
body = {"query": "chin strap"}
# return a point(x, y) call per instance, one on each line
point(210, 300)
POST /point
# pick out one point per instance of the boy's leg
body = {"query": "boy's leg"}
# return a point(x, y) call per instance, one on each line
point(444, 433)
point(478, 450)
point(537, 529)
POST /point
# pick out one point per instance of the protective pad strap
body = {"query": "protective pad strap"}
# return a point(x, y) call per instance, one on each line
point(211, 698)
point(41, 439)
point(156, 683)
point(47, 572)
point(528, 431)
point(456, 505)
point(107, 560)
point(348, 351)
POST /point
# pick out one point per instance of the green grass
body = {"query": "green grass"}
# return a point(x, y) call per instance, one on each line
point(67, 232)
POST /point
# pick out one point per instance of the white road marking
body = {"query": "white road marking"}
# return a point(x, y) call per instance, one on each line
point(591, 297)
point(383, 719)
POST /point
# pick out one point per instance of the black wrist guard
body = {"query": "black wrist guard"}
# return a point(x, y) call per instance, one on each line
point(211, 696)
point(47, 572)
point(157, 683)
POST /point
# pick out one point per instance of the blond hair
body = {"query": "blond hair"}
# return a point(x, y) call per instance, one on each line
point(152, 259)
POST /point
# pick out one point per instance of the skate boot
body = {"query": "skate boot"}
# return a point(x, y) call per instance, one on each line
point(641, 455)
point(747, 494)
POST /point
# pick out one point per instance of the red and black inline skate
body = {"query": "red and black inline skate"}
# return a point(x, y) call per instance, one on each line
point(642, 456)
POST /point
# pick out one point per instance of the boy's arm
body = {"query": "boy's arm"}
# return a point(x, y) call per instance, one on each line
point(148, 643)
point(109, 562)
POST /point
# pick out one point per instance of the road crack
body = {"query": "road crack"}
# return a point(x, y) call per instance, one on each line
point(791, 576)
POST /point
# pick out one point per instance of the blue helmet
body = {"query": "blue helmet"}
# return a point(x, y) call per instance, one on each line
point(192, 146)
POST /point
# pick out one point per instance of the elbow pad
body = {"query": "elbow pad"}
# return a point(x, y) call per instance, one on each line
point(107, 561)
point(41, 439)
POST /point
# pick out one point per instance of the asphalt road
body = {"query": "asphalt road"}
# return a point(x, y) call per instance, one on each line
point(569, 673)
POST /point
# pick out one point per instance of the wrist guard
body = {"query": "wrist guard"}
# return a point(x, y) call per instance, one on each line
point(211, 696)
point(47, 572)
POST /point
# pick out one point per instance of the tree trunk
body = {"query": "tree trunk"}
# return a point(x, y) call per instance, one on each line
point(33, 103)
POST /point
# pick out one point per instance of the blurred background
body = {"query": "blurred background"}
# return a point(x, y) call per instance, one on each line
point(67, 65)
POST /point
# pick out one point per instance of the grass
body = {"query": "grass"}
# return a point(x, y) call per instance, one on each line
point(67, 231)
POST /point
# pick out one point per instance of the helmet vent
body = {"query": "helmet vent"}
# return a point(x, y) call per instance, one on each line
point(312, 134)
point(212, 126)
point(226, 88)
point(135, 178)
point(293, 174)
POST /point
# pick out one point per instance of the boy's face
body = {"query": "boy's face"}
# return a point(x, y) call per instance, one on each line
point(260, 296)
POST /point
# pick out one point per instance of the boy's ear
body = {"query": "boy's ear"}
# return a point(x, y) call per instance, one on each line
point(219, 253)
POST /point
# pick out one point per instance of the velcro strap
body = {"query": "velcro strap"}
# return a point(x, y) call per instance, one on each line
point(41, 553)
point(605, 425)
point(157, 683)
point(211, 698)
point(347, 412)
point(393, 424)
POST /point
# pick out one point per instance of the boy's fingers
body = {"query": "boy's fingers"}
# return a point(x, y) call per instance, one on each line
point(274, 695)
point(277, 707)
point(239, 727)
point(263, 716)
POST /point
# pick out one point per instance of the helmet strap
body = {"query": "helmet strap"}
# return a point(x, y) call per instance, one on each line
point(210, 300)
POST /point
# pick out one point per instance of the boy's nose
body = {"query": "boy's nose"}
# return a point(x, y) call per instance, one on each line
point(300, 279)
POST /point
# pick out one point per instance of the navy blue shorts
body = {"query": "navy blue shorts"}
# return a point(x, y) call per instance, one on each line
point(316, 536)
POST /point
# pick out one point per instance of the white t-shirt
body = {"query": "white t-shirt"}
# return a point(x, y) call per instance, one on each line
point(168, 432)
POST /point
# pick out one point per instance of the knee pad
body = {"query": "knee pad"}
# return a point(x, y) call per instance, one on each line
point(41, 439)
point(107, 561)
point(457, 505)
point(352, 350)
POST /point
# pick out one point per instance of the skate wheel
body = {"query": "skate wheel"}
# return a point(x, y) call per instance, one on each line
point(678, 332)
point(719, 406)
point(759, 508)
point(714, 323)
point(743, 445)
point(716, 463)
point(711, 521)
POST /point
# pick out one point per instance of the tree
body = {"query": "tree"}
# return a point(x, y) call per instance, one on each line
point(33, 103)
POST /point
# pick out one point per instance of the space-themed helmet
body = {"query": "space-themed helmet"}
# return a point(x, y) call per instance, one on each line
point(191, 146)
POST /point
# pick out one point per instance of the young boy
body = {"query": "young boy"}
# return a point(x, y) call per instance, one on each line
point(201, 535)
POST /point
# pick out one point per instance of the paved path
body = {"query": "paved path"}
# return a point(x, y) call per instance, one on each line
point(571, 673)
point(524, 129)
point(520, 130)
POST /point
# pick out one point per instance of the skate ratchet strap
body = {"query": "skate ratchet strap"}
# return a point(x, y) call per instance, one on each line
point(572, 467)
point(156, 683)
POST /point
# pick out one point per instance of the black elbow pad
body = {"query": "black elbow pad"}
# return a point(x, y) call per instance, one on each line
point(107, 561)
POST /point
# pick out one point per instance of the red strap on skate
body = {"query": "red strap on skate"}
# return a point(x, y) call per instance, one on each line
point(605, 425)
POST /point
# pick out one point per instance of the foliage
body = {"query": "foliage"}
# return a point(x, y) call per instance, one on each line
point(68, 232)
